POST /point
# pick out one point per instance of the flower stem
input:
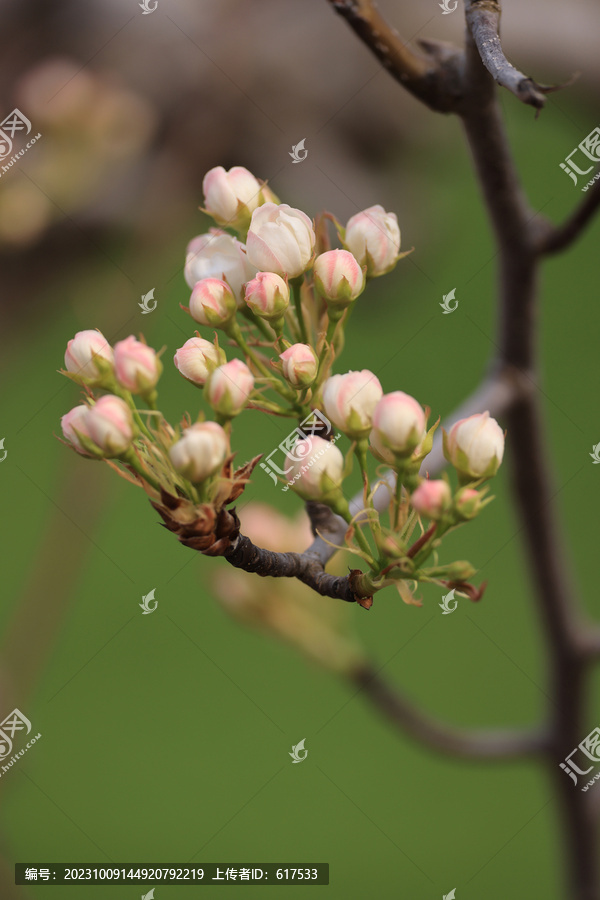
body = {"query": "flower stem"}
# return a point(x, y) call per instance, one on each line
point(236, 335)
point(131, 459)
point(331, 327)
point(398, 500)
point(295, 286)
point(257, 321)
point(343, 510)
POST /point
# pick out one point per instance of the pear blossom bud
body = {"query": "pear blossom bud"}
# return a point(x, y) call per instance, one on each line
point(317, 469)
point(338, 278)
point(197, 358)
point(90, 356)
point(228, 388)
point(281, 239)
point(467, 503)
point(399, 423)
point(231, 197)
point(212, 303)
point(432, 498)
point(268, 296)
point(373, 236)
point(218, 255)
point(200, 452)
point(349, 401)
point(137, 366)
point(300, 365)
point(110, 425)
point(74, 427)
point(475, 447)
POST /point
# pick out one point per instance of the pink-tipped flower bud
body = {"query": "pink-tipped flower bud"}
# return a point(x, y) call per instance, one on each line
point(432, 499)
point(349, 401)
point(475, 447)
point(197, 359)
point(110, 425)
point(231, 197)
point(218, 255)
point(281, 239)
point(338, 278)
point(201, 451)
point(300, 365)
point(268, 296)
point(399, 423)
point(373, 236)
point(90, 357)
point(75, 429)
point(212, 303)
point(317, 469)
point(137, 366)
point(228, 388)
point(467, 503)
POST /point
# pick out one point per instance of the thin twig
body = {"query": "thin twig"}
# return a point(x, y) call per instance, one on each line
point(442, 738)
point(434, 77)
point(483, 19)
point(559, 237)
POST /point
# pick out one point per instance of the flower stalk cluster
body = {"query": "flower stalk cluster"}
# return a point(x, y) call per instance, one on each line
point(274, 299)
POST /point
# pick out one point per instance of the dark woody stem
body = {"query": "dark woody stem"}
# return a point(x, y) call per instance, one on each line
point(463, 82)
point(245, 555)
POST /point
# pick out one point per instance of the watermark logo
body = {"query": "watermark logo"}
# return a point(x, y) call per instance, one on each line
point(590, 150)
point(145, 604)
point(590, 748)
point(446, 601)
point(149, 895)
point(9, 126)
point(447, 9)
point(446, 304)
point(13, 124)
point(147, 10)
point(452, 893)
point(12, 725)
point(292, 450)
point(595, 455)
point(16, 721)
point(297, 750)
point(298, 148)
point(145, 304)
point(5, 452)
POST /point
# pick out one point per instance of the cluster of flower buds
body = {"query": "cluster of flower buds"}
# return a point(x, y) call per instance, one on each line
point(394, 427)
point(109, 425)
point(105, 428)
point(280, 296)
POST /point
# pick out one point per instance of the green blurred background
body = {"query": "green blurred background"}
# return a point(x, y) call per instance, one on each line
point(166, 737)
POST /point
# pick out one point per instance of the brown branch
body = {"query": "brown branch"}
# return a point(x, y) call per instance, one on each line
point(483, 19)
point(243, 554)
point(559, 237)
point(434, 78)
point(465, 744)
point(307, 567)
point(522, 240)
point(532, 486)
